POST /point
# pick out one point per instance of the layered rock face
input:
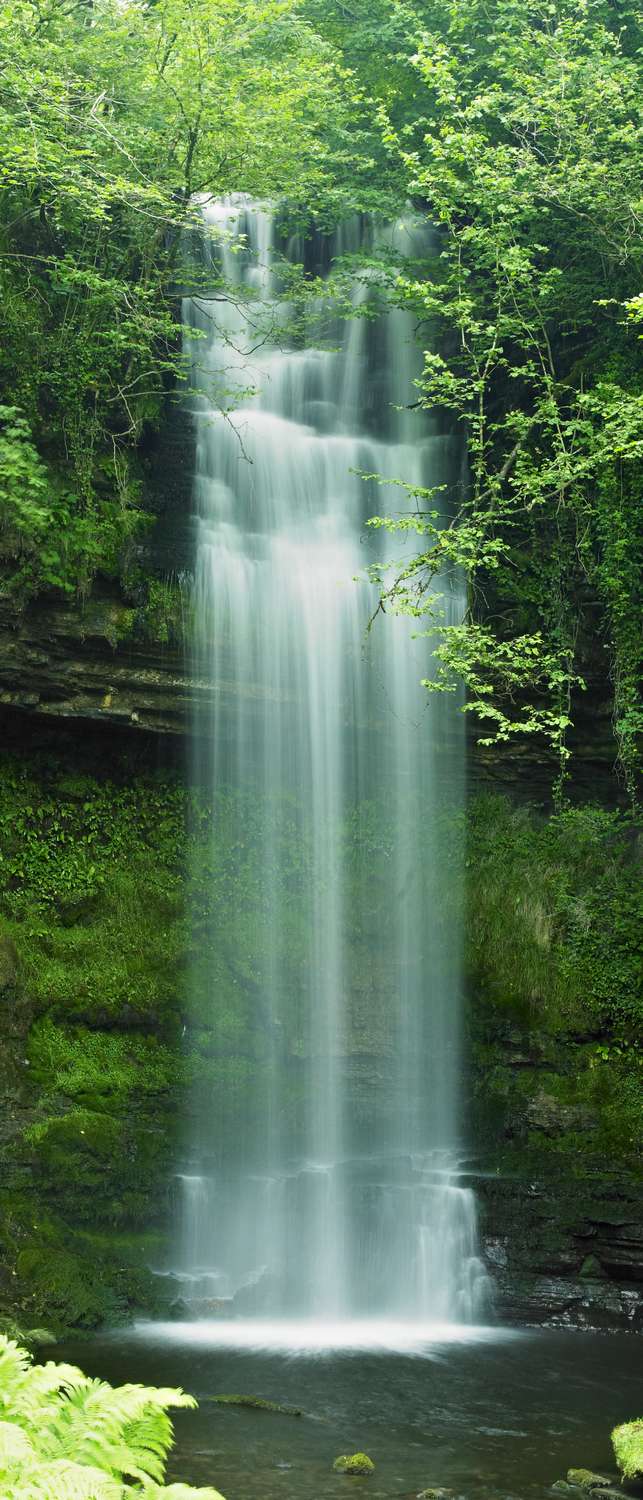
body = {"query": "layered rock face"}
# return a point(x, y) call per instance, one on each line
point(88, 664)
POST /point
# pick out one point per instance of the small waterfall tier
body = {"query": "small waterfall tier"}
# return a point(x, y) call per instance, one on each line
point(321, 1177)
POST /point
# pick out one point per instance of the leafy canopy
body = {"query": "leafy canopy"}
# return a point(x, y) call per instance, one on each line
point(113, 116)
point(524, 145)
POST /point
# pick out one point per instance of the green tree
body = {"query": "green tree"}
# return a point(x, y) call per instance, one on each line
point(526, 151)
point(114, 116)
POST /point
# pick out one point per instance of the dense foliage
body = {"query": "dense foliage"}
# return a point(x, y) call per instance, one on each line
point(524, 143)
point(518, 132)
point(64, 1436)
point(113, 116)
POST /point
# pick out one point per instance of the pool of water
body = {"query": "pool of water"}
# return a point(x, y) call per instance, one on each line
point(492, 1416)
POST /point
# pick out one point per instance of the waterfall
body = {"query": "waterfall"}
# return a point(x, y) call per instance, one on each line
point(336, 788)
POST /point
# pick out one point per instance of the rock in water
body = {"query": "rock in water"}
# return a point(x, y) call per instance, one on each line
point(258, 1403)
point(584, 1479)
point(353, 1463)
point(627, 1442)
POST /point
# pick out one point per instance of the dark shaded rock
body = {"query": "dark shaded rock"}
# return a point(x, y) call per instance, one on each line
point(611, 1493)
point(547, 1114)
point(84, 663)
point(179, 1309)
point(592, 1269)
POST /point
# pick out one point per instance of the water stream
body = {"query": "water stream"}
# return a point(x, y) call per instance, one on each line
point(338, 1196)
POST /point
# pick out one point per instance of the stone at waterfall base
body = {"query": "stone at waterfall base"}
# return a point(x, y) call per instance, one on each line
point(584, 1479)
point(353, 1463)
point(605, 1491)
point(434, 1492)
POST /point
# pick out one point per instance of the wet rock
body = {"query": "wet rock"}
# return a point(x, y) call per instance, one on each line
point(435, 1492)
point(179, 1309)
point(584, 1479)
point(257, 1403)
point(561, 1487)
point(548, 1115)
point(68, 662)
point(353, 1463)
point(591, 1268)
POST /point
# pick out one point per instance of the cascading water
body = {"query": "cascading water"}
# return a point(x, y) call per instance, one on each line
point(336, 791)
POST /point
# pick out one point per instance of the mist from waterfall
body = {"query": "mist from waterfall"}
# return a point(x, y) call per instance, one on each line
point(338, 1194)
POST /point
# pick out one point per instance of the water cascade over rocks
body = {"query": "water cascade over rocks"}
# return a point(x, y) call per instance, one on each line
point(336, 788)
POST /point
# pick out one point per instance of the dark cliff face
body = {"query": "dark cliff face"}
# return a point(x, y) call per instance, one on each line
point(85, 664)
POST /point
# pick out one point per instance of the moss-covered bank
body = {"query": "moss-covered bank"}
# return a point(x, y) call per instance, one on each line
point(109, 1025)
point(554, 936)
point(92, 903)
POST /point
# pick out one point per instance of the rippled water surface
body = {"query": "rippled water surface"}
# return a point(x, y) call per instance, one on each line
point(495, 1416)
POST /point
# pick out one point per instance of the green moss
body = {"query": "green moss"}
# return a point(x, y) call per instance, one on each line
point(97, 1068)
point(553, 950)
point(58, 1285)
point(627, 1442)
point(554, 914)
point(354, 1463)
point(585, 1479)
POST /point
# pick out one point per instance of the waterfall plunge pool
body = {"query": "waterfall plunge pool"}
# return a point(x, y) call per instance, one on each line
point(489, 1414)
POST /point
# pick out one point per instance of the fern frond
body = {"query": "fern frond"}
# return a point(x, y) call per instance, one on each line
point(124, 1430)
point(179, 1492)
point(65, 1436)
point(15, 1364)
point(62, 1480)
point(15, 1447)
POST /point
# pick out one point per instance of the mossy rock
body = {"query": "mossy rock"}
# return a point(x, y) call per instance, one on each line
point(60, 1289)
point(353, 1463)
point(627, 1442)
point(56, 1285)
point(77, 1147)
point(257, 1403)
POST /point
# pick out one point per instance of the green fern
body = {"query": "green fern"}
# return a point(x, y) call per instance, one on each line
point(65, 1436)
